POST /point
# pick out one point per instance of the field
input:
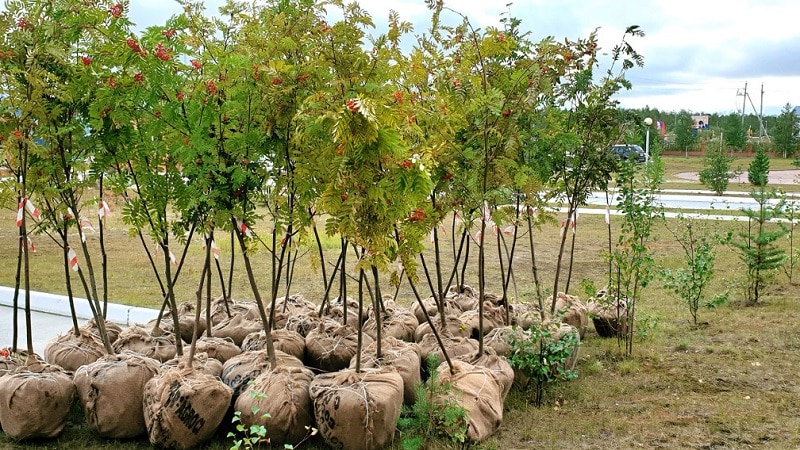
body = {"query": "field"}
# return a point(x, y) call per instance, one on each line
point(730, 382)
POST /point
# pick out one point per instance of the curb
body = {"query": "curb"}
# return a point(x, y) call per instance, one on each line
point(59, 305)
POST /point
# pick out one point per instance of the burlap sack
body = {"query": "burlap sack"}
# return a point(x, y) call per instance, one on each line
point(303, 324)
point(477, 390)
point(10, 361)
point(454, 327)
point(403, 356)
point(357, 411)
point(498, 365)
point(499, 339)
point(186, 314)
point(236, 328)
point(281, 393)
point(35, 400)
point(464, 302)
point(294, 305)
point(221, 349)
point(112, 330)
point(450, 309)
point(240, 370)
point(389, 306)
point(572, 311)
point(201, 363)
point(610, 318)
point(525, 315)
point(183, 408)
point(287, 341)
point(398, 322)
point(330, 348)
point(455, 346)
point(219, 313)
point(493, 317)
point(335, 311)
point(139, 339)
point(111, 391)
point(71, 351)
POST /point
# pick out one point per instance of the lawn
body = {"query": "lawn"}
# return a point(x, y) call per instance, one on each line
point(729, 382)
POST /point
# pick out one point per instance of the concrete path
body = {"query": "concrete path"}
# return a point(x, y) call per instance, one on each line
point(50, 317)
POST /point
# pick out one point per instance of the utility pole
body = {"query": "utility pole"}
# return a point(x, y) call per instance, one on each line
point(763, 130)
point(744, 102)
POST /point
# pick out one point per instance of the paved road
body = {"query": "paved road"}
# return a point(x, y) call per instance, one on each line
point(51, 317)
point(45, 327)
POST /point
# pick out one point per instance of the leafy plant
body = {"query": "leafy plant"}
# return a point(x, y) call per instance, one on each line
point(431, 417)
point(251, 436)
point(632, 261)
point(543, 357)
point(690, 280)
point(646, 326)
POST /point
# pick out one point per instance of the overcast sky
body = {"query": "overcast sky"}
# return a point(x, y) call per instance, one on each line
point(698, 54)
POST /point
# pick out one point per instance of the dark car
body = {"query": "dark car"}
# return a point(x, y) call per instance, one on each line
point(629, 151)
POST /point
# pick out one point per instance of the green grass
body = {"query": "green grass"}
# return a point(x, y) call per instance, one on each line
point(726, 384)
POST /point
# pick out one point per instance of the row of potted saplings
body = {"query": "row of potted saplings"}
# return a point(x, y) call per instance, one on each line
point(318, 379)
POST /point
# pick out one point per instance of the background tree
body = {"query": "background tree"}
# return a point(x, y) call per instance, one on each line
point(734, 133)
point(717, 172)
point(762, 257)
point(684, 139)
point(786, 134)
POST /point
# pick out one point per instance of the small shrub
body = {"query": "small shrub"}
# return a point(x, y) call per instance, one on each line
point(429, 417)
point(252, 436)
point(646, 326)
point(542, 358)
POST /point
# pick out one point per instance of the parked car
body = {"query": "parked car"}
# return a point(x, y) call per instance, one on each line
point(629, 151)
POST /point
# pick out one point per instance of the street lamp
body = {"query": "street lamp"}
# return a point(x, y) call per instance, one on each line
point(647, 121)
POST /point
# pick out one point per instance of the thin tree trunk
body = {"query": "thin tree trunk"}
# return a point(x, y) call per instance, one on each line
point(254, 286)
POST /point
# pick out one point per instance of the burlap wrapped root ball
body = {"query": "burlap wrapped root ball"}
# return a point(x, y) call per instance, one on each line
point(398, 322)
point(236, 328)
point(10, 360)
point(35, 400)
point(455, 347)
point(153, 343)
point(183, 407)
point(357, 411)
point(285, 340)
point(493, 317)
point(186, 325)
point(572, 311)
point(71, 351)
point(221, 349)
point(220, 309)
point(279, 400)
point(402, 356)
point(201, 363)
point(497, 364)
point(609, 316)
point(477, 390)
point(112, 329)
point(331, 346)
point(453, 327)
point(240, 370)
point(111, 391)
point(430, 306)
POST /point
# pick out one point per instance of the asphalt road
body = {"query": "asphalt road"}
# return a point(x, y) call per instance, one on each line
point(45, 326)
